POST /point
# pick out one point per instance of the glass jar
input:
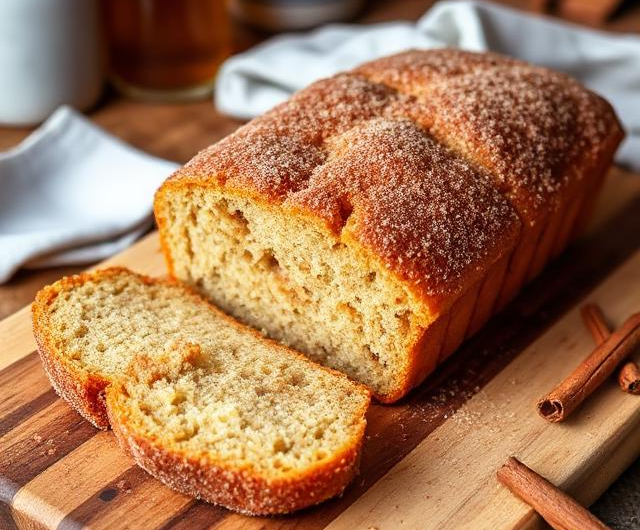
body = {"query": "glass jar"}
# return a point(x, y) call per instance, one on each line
point(166, 50)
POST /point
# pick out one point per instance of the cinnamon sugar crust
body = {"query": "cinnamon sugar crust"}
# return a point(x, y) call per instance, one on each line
point(276, 153)
point(536, 131)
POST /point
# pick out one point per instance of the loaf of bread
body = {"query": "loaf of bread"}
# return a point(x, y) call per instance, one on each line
point(379, 217)
point(201, 402)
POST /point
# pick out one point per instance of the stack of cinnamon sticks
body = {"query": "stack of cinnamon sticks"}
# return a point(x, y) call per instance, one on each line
point(629, 374)
point(611, 350)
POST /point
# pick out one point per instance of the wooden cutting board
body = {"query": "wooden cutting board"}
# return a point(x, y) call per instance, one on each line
point(429, 461)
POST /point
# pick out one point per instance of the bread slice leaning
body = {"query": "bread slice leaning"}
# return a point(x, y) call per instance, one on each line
point(203, 403)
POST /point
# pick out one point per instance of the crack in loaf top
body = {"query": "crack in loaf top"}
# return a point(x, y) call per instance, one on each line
point(276, 153)
point(534, 129)
point(427, 214)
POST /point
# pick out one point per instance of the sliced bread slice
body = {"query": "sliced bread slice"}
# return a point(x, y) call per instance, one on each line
point(267, 436)
point(203, 403)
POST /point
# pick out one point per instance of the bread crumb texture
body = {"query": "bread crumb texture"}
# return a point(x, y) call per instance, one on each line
point(244, 422)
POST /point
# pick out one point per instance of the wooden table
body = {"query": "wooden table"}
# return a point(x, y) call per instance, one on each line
point(176, 132)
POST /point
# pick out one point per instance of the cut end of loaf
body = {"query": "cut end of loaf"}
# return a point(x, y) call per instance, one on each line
point(293, 279)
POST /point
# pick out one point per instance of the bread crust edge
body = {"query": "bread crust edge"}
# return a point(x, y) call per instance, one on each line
point(236, 488)
point(84, 392)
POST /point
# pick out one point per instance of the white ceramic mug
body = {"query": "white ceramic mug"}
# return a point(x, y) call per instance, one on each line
point(50, 55)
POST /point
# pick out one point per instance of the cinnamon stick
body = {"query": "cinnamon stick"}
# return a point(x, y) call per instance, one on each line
point(629, 375)
point(629, 378)
point(595, 322)
point(591, 372)
point(561, 511)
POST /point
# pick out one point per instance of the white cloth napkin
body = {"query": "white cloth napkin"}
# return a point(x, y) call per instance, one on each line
point(251, 83)
point(71, 193)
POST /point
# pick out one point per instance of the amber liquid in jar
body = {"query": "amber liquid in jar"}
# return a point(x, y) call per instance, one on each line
point(166, 49)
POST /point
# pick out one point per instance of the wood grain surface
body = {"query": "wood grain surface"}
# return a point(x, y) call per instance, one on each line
point(432, 457)
point(435, 452)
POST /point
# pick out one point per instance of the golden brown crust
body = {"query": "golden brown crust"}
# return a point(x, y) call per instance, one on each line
point(83, 391)
point(534, 129)
point(239, 489)
point(529, 132)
